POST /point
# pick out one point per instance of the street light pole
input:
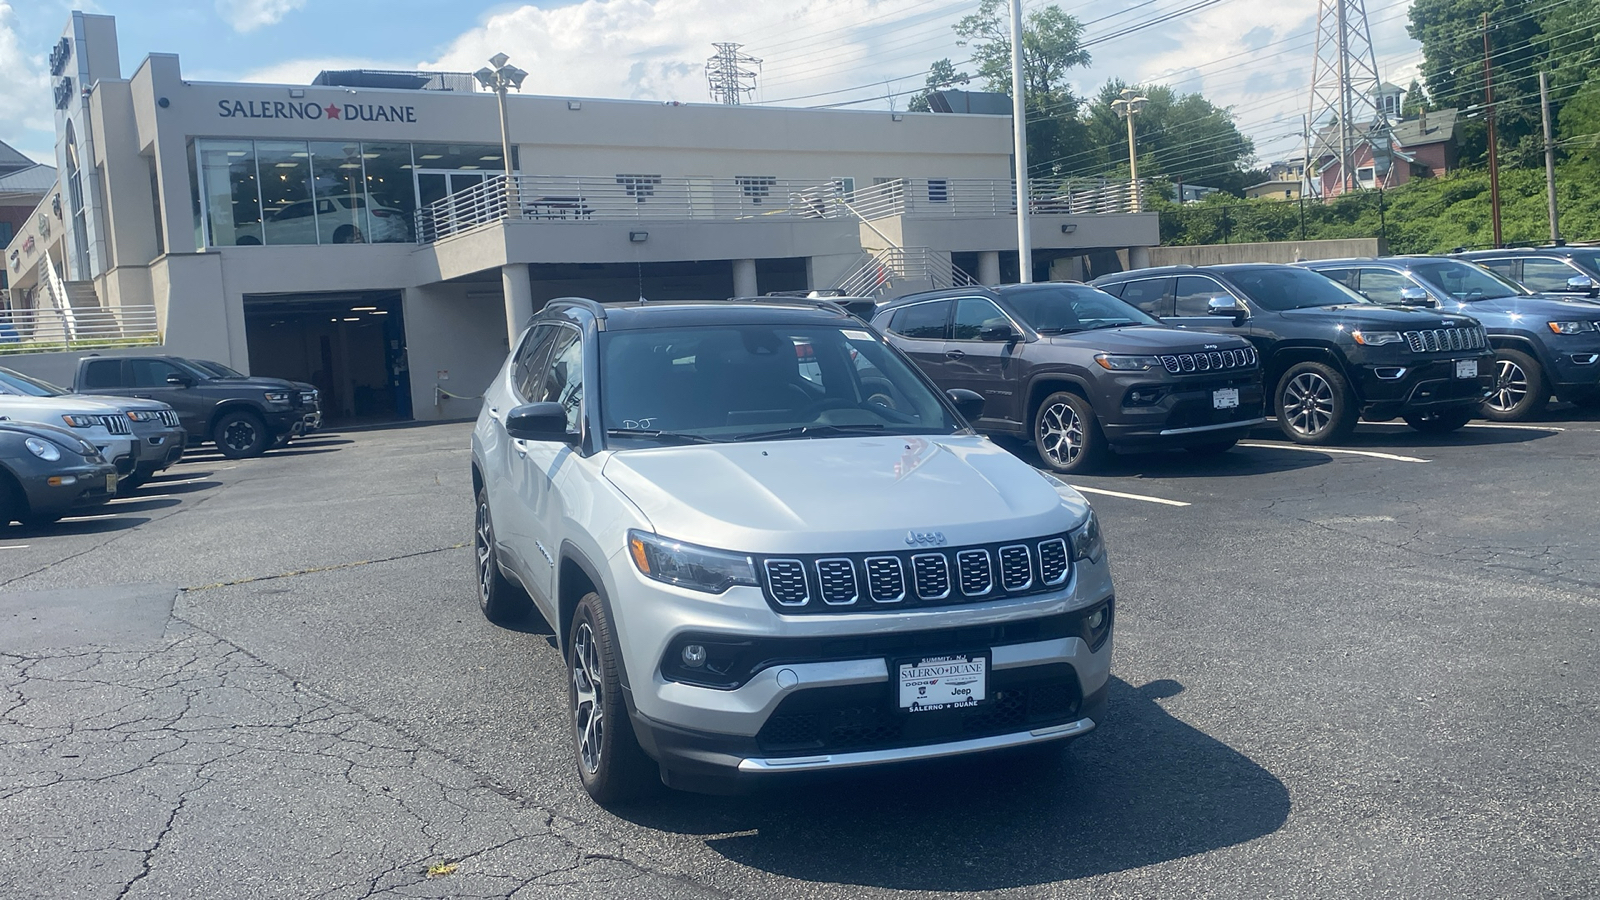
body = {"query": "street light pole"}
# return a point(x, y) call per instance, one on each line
point(1127, 107)
point(498, 79)
point(1019, 122)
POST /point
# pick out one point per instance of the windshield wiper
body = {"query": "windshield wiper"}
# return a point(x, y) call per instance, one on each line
point(665, 437)
point(805, 430)
point(1057, 329)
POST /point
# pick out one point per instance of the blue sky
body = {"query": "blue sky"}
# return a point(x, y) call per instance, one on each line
point(1239, 53)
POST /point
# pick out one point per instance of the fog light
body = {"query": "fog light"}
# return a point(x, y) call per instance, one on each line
point(694, 655)
point(1098, 619)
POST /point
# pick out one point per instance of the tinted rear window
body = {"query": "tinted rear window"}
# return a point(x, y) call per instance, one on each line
point(1290, 288)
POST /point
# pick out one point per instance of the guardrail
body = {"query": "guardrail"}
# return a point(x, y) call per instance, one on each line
point(984, 197)
point(43, 330)
point(586, 198)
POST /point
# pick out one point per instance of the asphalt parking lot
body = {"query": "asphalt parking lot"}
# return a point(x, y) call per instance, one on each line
point(1362, 671)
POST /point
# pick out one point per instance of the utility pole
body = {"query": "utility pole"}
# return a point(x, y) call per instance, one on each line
point(1549, 159)
point(1127, 107)
point(1019, 123)
point(1494, 152)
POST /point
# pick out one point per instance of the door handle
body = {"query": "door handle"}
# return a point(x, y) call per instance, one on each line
point(954, 354)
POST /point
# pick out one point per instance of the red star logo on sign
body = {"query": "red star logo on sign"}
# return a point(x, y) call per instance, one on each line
point(332, 111)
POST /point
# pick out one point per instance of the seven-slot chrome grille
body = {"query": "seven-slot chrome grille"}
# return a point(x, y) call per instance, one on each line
point(1445, 340)
point(1209, 360)
point(169, 417)
point(936, 576)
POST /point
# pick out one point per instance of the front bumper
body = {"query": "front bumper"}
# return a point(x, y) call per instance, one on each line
point(280, 422)
point(1574, 368)
point(1186, 412)
point(158, 448)
point(89, 487)
point(1418, 385)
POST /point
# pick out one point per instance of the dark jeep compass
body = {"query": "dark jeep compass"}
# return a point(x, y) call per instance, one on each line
point(1079, 371)
point(1330, 354)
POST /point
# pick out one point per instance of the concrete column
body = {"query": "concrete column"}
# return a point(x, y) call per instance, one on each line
point(988, 266)
point(1138, 257)
point(518, 289)
point(744, 278)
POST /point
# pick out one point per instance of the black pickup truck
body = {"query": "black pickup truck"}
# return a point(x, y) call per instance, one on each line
point(242, 416)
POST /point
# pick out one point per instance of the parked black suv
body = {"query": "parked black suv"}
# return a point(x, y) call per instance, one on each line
point(1079, 371)
point(1330, 354)
point(243, 416)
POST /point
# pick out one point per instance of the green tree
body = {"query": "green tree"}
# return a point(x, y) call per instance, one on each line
point(1180, 137)
point(1050, 50)
point(941, 74)
point(1415, 102)
point(1451, 35)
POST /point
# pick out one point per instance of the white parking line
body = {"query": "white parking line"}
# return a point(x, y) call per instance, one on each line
point(1372, 453)
point(14, 547)
point(1161, 500)
point(89, 518)
point(176, 483)
point(1478, 425)
point(139, 499)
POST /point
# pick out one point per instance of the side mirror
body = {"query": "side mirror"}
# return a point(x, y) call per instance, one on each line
point(1581, 284)
point(999, 333)
point(1415, 296)
point(968, 403)
point(1227, 306)
point(180, 380)
point(545, 421)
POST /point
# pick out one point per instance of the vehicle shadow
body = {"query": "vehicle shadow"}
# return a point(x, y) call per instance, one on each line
point(1143, 789)
point(156, 487)
point(134, 503)
point(1179, 463)
point(64, 529)
point(1383, 436)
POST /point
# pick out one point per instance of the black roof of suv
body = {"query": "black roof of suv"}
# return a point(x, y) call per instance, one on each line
point(1330, 355)
point(1077, 370)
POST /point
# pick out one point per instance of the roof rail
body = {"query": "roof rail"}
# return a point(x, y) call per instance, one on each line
point(814, 302)
point(584, 303)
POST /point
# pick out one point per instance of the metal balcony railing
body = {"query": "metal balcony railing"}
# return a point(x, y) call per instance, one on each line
point(898, 270)
point(547, 198)
point(984, 197)
point(41, 330)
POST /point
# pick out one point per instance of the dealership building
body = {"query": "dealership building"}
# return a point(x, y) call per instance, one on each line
point(361, 233)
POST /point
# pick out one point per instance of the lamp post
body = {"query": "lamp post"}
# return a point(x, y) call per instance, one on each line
point(1019, 125)
point(1127, 107)
point(498, 79)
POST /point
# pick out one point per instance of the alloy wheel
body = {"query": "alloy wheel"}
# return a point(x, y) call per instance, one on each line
point(240, 435)
point(483, 546)
point(588, 697)
point(1308, 403)
point(1061, 434)
point(1510, 386)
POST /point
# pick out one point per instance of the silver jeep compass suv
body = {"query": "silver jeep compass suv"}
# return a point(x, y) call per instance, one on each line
point(767, 544)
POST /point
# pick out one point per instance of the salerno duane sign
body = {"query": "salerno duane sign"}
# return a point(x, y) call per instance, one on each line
point(312, 109)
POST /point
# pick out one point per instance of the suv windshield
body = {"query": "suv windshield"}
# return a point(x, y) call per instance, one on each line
point(1288, 288)
point(745, 382)
point(1068, 308)
point(18, 383)
point(216, 369)
point(1465, 281)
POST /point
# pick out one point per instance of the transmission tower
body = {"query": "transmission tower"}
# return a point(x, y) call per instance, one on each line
point(728, 76)
point(1344, 92)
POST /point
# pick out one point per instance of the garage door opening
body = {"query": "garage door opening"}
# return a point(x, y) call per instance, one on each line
point(352, 346)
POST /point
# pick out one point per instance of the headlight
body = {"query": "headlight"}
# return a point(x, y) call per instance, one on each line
point(277, 396)
point(82, 421)
point(43, 449)
point(143, 415)
point(687, 565)
point(1571, 327)
point(1127, 363)
point(1086, 540)
point(1376, 338)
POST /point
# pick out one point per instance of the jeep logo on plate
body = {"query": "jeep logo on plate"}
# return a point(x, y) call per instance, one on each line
point(925, 538)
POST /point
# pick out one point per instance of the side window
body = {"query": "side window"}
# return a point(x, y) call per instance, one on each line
point(1148, 295)
point(102, 373)
point(1546, 274)
point(1505, 268)
point(1114, 290)
point(923, 321)
point(562, 378)
point(530, 360)
point(150, 372)
point(1383, 286)
point(974, 315)
point(1346, 277)
point(1192, 297)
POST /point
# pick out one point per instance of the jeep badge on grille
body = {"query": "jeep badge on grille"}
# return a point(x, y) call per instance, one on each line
point(925, 538)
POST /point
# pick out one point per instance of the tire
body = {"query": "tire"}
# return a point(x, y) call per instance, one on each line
point(240, 434)
point(1067, 434)
point(1315, 404)
point(348, 234)
point(1442, 422)
point(1215, 448)
point(612, 767)
point(1519, 387)
point(500, 600)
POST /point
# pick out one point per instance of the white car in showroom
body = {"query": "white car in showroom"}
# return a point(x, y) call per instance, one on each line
point(756, 567)
point(341, 219)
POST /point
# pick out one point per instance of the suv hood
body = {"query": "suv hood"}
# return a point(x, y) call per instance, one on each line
point(1149, 339)
point(1538, 306)
point(254, 383)
point(847, 494)
point(123, 403)
point(1400, 318)
point(18, 407)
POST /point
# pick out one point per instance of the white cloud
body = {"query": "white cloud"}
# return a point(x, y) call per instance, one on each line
point(301, 71)
point(25, 119)
point(248, 15)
